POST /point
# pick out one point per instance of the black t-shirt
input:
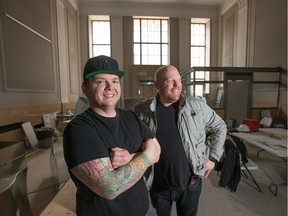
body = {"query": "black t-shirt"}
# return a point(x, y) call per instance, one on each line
point(89, 136)
point(172, 170)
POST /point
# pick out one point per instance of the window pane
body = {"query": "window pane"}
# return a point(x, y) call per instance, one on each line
point(101, 50)
point(197, 56)
point(136, 30)
point(137, 54)
point(101, 44)
point(165, 25)
point(101, 32)
point(165, 31)
point(150, 31)
point(198, 34)
point(144, 29)
point(152, 37)
point(198, 90)
point(164, 54)
point(199, 75)
point(151, 54)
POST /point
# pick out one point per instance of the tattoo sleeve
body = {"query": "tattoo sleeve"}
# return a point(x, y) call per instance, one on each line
point(108, 183)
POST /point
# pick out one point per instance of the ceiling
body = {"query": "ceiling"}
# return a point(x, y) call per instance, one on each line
point(183, 2)
point(222, 5)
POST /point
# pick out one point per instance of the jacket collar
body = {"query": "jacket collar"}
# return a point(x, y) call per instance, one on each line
point(154, 102)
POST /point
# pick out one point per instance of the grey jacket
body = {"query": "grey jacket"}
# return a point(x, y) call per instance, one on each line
point(196, 120)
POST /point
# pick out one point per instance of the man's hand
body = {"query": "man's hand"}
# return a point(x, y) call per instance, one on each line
point(152, 150)
point(120, 157)
point(209, 165)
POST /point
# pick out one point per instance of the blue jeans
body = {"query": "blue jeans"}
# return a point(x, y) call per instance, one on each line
point(186, 201)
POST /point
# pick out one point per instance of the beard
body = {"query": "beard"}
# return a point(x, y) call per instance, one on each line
point(172, 95)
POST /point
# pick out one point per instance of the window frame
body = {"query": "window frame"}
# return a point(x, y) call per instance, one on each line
point(195, 80)
point(99, 18)
point(141, 43)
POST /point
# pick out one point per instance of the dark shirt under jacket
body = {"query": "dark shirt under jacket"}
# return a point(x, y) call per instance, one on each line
point(172, 171)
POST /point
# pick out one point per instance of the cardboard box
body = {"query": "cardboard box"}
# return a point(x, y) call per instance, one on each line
point(253, 124)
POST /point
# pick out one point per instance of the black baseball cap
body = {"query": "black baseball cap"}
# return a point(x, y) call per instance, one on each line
point(101, 65)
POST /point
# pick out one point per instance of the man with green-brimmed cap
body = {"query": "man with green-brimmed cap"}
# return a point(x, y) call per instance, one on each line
point(105, 186)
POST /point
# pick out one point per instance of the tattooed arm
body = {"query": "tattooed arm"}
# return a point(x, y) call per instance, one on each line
point(107, 182)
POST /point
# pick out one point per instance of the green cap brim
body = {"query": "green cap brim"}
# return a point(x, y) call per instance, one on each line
point(116, 72)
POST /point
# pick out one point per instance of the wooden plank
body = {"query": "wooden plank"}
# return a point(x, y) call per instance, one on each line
point(32, 113)
point(64, 202)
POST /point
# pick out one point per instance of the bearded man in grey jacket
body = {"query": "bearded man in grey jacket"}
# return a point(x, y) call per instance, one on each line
point(181, 124)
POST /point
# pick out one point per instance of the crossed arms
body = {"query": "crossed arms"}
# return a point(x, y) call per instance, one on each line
point(109, 180)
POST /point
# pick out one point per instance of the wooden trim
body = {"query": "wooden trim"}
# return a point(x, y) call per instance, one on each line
point(31, 113)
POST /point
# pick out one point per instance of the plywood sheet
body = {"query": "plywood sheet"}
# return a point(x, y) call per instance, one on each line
point(30, 134)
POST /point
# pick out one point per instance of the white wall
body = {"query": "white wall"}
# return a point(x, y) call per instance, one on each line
point(183, 12)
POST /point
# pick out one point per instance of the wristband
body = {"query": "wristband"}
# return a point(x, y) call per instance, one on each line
point(213, 159)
